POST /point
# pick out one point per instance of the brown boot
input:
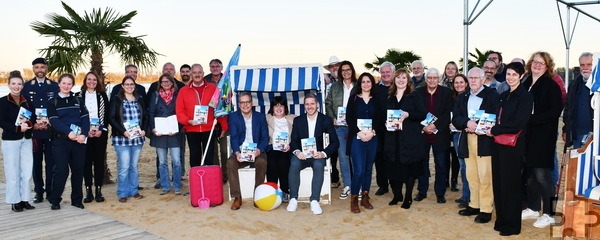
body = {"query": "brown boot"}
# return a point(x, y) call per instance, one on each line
point(237, 203)
point(354, 203)
point(365, 200)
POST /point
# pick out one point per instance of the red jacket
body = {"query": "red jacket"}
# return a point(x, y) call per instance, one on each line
point(187, 100)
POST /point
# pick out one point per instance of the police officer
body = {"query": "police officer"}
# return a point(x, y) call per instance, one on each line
point(70, 124)
point(37, 91)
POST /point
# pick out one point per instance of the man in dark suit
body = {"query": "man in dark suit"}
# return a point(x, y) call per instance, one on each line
point(246, 126)
point(438, 101)
point(311, 124)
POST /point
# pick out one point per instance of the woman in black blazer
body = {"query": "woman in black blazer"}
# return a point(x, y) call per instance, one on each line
point(96, 101)
point(507, 162)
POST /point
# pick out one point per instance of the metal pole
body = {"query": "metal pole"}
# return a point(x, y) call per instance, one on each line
point(568, 50)
point(466, 39)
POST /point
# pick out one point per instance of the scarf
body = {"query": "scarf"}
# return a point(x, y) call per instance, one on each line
point(166, 95)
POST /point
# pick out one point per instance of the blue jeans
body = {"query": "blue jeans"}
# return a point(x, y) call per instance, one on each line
point(127, 169)
point(363, 157)
point(165, 180)
point(344, 159)
point(466, 194)
point(318, 167)
point(440, 158)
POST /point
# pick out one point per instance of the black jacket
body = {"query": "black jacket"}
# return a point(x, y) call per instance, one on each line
point(443, 107)
point(461, 118)
point(99, 96)
point(406, 145)
point(569, 108)
point(116, 115)
point(9, 110)
point(378, 118)
point(516, 110)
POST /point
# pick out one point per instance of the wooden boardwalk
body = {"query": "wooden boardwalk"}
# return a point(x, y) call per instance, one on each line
point(67, 223)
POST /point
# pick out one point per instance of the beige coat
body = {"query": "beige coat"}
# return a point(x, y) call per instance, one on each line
point(271, 124)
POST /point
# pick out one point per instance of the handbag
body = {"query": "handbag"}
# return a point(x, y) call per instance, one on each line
point(506, 139)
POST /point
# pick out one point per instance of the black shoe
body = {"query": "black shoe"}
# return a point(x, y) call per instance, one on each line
point(26, 205)
point(89, 197)
point(55, 206)
point(508, 233)
point(420, 197)
point(469, 211)
point(39, 197)
point(441, 200)
point(17, 207)
point(483, 217)
point(454, 189)
point(381, 191)
point(460, 200)
point(99, 196)
point(406, 204)
point(463, 204)
point(140, 188)
point(157, 185)
point(394, 202)
point(77, 205)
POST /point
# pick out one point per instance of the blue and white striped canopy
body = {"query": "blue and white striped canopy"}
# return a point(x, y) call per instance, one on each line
point(290, 81)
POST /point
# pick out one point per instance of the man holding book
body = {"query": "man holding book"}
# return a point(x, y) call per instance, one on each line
point(307, 133)
point(249, 140)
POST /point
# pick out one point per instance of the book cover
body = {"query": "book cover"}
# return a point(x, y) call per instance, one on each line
point(486, 122)
point(94, 124)
point(76, 129)
point(280, 140)
point(23, 116)
point(392, 122)
point(475, 115)
point(309, 147)
point(41, 115)
point(133, 128)
point(341, 116)
point(201, 114)
point(429, 119)
point(364, 124)
point(247, 151)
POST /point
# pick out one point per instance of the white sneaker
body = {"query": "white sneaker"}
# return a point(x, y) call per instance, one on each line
point(544, 221)
point(292, 205)
point(345, 192)
point(314, 207)
point(529, 214)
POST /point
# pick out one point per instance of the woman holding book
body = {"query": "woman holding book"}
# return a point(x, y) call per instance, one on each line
point(450, 73)
point(96, 101)
point(280, 123)
point(16, 145)
point(460, 85)
point(69, 128)
point(365, 118)
point(128, 117)
point(405, 145)
point(162, 105)
point(507, 162)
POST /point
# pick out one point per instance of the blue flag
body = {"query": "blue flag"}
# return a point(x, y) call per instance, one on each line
point(221, 99)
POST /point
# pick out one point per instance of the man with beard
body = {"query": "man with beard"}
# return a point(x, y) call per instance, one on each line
point(330, 78)
point(418, 77)
point(185, 71)
point(37, 91)
point(496, 57)
point(578, 113)
point(489, 68)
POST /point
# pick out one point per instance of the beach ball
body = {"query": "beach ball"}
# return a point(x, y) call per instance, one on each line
point(267, 196)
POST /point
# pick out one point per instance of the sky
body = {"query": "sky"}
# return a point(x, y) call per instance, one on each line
point(310, 31)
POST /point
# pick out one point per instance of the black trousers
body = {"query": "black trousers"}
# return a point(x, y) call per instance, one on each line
point(382, 180)
point(454, 165)
point(95, 157)
point(278, 168)
point(42, 148)
point(68, 154)
point(507, 167)
point(335, 173)
point(198, 143)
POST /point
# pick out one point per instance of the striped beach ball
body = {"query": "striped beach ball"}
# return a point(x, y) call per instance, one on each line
point(267, 196)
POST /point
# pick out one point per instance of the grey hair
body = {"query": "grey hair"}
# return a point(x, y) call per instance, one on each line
point(388, 64)
point(481, 72)
point(585, 54)
point(417, 61)
point(241, 94)
point(197, 65)
point(130, 65)
point(432, 71)
point(168, 63)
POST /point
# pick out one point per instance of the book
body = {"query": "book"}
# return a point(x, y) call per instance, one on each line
point(475, 115)
point(201, 114)
point(280, 139)
point(341, 117)
point(247, 151)
point(23, 116)
point(429, 119)
point(94, 124)
point(133, 128)
point(41, 115)
point(364, 124)
point(166, 125)
point(392, 122)
point(309, 147)
point(486, 122)
point(76, 129)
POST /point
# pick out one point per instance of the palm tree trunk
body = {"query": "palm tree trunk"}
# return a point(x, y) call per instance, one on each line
point(96, 64)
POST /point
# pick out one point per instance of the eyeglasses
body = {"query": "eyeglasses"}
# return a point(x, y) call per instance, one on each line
point(165, 81)
point(245, 102)
point(492, 58)
point(128, 84)
point(347, 70)
point(539, 63)
point(432, 77)
point(416, 68)
point(215, 66)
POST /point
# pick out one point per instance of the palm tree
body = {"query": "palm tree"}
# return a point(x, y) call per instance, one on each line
point(81, 40)
point(480, 59)
point(401, 59)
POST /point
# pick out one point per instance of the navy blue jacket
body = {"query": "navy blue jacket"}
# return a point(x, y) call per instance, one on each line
point(237, 130)
point(38, 96)
point(62, 112)
point(324, 125)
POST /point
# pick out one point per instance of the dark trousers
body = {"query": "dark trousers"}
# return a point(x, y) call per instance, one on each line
point(507, 166)
point(362, 158)
point(335, 173)
point(278, 168)
point(454, 165)
point(440, 158)
point(95, 157)
point(198, 143)
point(42, 148)
point(540, 190)
point(382, 180)
point(397, 188)
point(220, 149)
point(68, 154)
point(260, 164)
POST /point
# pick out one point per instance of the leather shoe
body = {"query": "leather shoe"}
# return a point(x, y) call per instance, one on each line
point(55, 206)
point(17, 207)
point(441, 200)
point(123, 200)
point(237, 203)
point(483, 217)
point(469, 211)
point(381, 191)
point(138, 196)
point(38, 198)
point(420, 197)
point(77, 205)
point(463, 205)
point(454, 189)
point(460, 200)
point(26, 205)
point(502, 233)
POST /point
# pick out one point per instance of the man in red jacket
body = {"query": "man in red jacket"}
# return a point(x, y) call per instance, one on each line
point(197, 117)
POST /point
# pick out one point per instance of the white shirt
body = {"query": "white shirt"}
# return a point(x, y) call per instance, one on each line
point(91, 103)
point(248, 123)
point(280, 126)
point(312, 124)
point(347, 89)
point(474, 101)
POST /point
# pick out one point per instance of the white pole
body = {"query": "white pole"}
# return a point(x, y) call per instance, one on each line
point(568, 50)
point(466, 38)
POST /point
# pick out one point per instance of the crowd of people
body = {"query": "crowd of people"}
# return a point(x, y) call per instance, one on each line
point(508, 165)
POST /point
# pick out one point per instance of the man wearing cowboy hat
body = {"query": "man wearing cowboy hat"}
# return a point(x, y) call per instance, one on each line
point(330, 78)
